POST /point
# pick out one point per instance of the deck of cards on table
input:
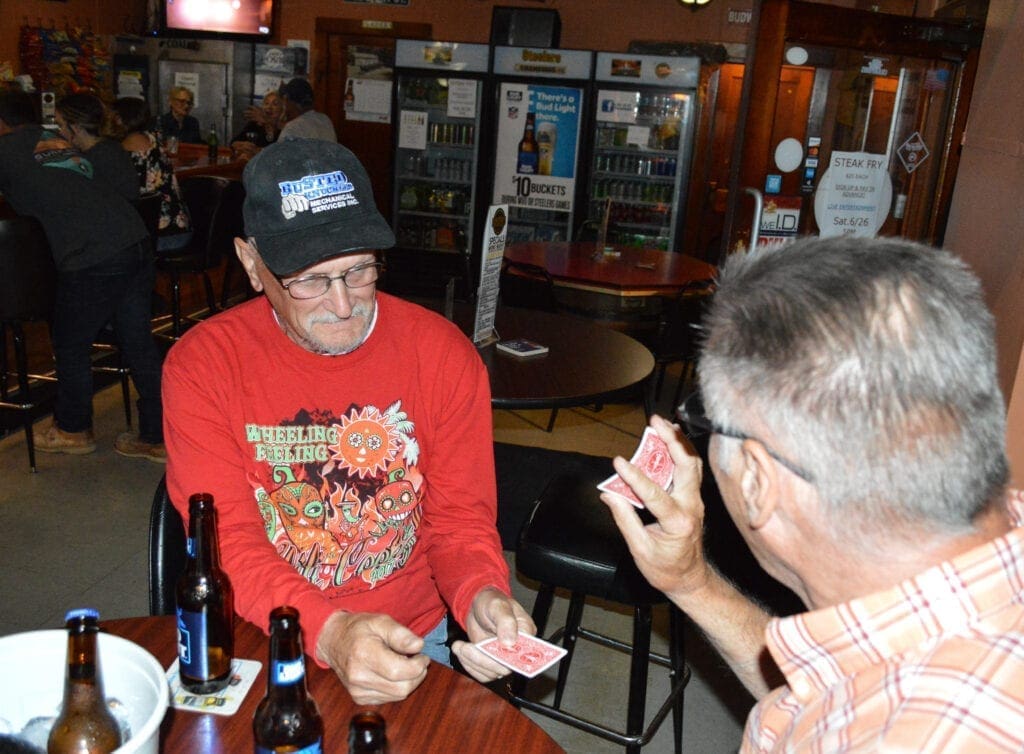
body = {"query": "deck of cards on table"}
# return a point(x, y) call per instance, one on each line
point(652, 458)
point(522, 347)
point(529, 656)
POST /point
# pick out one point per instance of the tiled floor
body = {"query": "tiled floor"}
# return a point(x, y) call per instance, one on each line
point(75, 534)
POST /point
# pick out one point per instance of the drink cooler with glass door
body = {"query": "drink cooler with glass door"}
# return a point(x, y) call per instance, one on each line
point(434, 201)
point(642, 137)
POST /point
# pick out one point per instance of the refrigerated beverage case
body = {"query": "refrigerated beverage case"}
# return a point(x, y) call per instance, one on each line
point(205, 602)
point(547, 136)
point(85, 724)
point(367, 733)
point(287, 720)
point(528, 150)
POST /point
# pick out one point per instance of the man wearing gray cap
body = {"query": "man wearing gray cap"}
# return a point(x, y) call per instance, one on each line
point(346, 437)
point(301, 120)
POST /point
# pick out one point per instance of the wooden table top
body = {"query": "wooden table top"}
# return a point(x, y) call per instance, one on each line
point(586, 363)
point(194, 159)
point(449, 712)
point(627, 271)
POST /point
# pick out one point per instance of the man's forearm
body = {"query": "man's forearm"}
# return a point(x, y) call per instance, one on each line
point(735, 626)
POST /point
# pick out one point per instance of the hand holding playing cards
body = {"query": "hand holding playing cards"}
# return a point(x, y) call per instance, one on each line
point(375, 656)
point(668, 552)
point(493, 614)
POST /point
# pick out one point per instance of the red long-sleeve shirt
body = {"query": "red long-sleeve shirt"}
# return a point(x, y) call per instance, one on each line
point(362, 482)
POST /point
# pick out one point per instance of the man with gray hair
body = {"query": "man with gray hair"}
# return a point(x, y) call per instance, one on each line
point(857, 439)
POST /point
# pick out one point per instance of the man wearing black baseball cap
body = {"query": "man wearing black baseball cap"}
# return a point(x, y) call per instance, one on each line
point(301, 120)
point(346, 437)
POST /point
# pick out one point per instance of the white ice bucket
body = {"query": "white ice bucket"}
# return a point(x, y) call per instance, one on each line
point(32, 671)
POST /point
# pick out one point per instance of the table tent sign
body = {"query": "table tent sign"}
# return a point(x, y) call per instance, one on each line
point(490, 274)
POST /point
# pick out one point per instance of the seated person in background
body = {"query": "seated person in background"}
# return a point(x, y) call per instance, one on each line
point(154, 172)
point(177, 122)
point(300, 119)
point(858, 441)
point(263, 124)
point(346, 437)
point(104, 265)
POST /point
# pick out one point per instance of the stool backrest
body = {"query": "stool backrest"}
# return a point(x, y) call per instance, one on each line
point(28, 277)
point(166, 551)
point(527, 286)
point(215, 206)
point(148, 206)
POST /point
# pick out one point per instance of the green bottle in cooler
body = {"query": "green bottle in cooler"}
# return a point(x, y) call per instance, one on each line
point(212, 143)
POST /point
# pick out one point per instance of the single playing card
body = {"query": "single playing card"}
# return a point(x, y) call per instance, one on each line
point(653, 459)
point(529, 656)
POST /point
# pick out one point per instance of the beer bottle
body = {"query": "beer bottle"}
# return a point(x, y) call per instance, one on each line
point(528, 151)
point(206, 637)
point(212, 144)
point(367, 734)
point(287, 719)
point(85, 724)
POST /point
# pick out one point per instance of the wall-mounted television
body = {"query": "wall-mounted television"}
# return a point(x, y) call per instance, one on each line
point(242, 20)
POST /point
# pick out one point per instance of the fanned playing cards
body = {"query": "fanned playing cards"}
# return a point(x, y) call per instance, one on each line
point(529, 656)
point(653, 459)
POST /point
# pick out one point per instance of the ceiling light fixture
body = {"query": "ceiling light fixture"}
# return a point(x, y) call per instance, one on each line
point(694, 5)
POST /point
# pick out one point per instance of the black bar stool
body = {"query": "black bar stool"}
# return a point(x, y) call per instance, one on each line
point(215, 206)
point(570, 541)
point(28, 285)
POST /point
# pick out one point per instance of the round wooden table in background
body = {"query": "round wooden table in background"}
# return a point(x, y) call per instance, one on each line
point(586, 363)
point(449, 712)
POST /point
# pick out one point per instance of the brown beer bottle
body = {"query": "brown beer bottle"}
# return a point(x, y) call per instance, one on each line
point(529, 152)
point(287, 720)
point(85, 724)
point(367, 734)
point(205, 601)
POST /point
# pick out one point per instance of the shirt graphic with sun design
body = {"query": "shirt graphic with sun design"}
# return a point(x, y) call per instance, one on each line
point(344, 499)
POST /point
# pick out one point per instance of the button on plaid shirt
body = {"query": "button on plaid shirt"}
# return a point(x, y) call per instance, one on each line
point(935, 664)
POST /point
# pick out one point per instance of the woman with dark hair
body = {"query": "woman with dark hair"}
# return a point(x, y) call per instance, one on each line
point(155, 172)
point(81, 119)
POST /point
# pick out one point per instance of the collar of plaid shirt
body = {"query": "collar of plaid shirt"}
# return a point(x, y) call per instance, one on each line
point(815, 650)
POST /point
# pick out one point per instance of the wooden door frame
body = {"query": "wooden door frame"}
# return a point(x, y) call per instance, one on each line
point(782, 22)
point(350, 27)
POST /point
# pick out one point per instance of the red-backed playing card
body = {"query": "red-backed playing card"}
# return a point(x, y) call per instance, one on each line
point(528, 656)
point(653, 459)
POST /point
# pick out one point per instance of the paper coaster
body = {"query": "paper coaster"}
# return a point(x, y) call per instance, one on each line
point(224, 702)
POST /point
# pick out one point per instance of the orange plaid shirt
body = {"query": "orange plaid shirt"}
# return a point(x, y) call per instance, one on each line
point(935, 664)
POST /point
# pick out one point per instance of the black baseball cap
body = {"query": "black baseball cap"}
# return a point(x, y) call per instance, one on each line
point(298, 91)
point(307, 200)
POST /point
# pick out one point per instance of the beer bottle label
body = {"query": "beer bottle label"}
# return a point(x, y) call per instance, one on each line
point(288, 672)
point(314, 748)
point(193, 660)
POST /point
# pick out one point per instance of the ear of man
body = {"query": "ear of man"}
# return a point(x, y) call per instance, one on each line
point(250, 260)
point(759, 483)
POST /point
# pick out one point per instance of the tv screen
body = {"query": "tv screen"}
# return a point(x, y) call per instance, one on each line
point(231, 19)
